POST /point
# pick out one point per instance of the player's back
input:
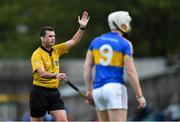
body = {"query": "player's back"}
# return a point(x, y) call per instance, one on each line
point(108, 52)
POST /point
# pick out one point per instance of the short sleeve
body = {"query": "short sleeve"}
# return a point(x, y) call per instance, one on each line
point(128, 49)
point(90, 47)
point(61, 49)
point(92, 44)
point(36, 61)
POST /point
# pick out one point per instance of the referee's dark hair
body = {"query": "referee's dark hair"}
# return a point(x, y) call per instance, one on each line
point(44, 29)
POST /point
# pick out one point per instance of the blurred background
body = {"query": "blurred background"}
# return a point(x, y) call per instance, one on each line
point(155, 37)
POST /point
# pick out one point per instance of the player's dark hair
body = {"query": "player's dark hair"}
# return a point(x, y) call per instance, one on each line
point(44, 29)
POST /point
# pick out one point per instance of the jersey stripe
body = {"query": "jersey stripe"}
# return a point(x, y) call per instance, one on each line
point(116, 60)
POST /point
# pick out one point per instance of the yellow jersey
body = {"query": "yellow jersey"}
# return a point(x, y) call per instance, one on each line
point(50, 61)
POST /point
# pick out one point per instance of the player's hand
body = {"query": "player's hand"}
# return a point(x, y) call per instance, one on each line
point(89, 99)
point(62, 76)
point(142, 102)
point(83, 21)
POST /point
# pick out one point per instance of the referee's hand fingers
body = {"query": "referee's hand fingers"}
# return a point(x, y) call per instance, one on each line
point(62, 76)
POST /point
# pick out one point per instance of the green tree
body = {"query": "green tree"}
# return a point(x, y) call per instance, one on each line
point(155, 24)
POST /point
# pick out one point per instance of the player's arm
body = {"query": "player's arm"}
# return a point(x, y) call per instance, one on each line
point(134, 80)
point(88, 65)
point(78, 35)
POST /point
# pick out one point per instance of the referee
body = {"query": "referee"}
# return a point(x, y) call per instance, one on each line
point(44, 96)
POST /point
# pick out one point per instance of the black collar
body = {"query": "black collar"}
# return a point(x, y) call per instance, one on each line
point(49, 52)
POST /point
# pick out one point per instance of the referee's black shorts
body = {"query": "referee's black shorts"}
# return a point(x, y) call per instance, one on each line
point(44, 99)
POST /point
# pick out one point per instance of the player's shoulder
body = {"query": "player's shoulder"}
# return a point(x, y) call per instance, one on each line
point(99, 37)
point(126, 42)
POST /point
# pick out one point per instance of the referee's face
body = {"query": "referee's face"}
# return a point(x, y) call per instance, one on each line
point(49, 38)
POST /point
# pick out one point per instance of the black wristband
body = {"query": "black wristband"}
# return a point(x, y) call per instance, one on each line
point(54, 75)
point(82, 28)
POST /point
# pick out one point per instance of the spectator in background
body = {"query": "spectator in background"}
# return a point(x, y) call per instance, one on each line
point(110, 53)
point(47, 117)
point(172, 112)
point(26, 117)
point(45, 95)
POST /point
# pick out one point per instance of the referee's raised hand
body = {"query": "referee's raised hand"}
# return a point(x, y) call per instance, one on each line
point(83, 21)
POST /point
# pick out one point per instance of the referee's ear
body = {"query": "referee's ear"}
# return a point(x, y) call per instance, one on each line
point(41, 38)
